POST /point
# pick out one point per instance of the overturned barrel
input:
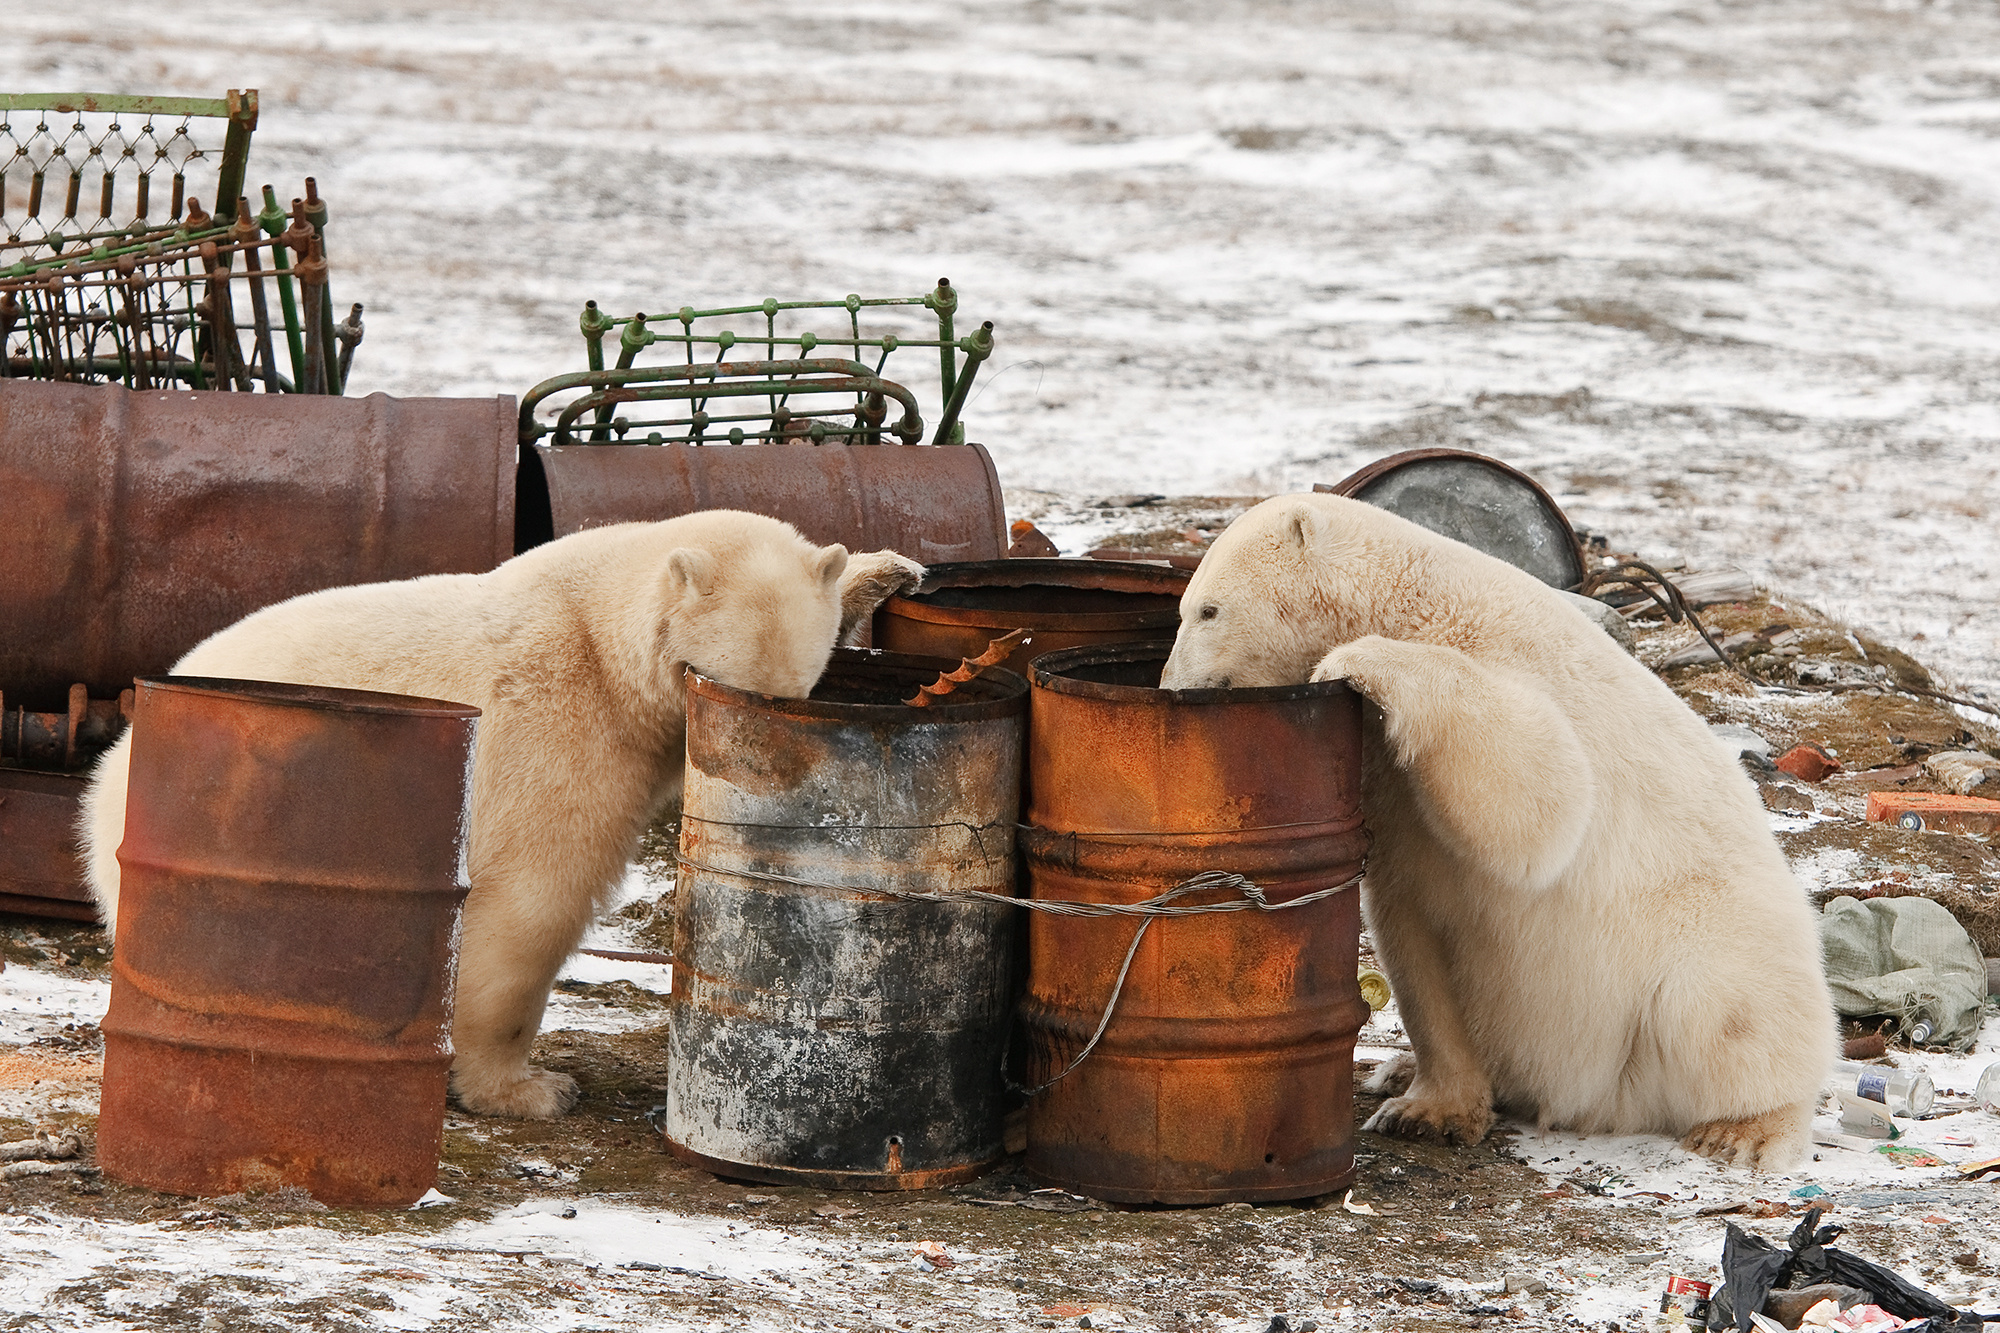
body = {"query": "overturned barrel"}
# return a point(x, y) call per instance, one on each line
point(1225, 1072)
point(290, 889)
point(824, 1029)
point(960, 608)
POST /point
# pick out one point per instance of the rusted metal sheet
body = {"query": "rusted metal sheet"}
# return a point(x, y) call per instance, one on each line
point(1477, 500)
point(825, 1031)
point(1225, 1073)
point(41, 863)
point(292, 877)
point(137, 523)
point(960, 608)
point(930, 502)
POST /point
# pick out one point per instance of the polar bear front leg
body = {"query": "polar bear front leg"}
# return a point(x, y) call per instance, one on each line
point(507, 962)
point(1499, 772)
point(1445, 1092)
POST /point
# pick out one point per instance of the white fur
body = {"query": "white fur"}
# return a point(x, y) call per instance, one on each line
point(575, 653)
point(1574, 891)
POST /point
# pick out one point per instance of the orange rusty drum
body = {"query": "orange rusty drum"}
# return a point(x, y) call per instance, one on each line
point(960, 608)
point(1226, 1071)
point(292, 877)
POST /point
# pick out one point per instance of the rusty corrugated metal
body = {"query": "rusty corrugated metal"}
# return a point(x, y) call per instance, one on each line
point(1225, 1073)
point(930, 503)
point(292, 877)
point(839, 1036)
point(133, 524)
point(960, 608)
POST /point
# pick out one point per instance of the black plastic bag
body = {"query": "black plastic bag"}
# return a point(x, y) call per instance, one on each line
point(1752, 1268)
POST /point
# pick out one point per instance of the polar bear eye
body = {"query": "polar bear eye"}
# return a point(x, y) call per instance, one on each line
point(1208, 612)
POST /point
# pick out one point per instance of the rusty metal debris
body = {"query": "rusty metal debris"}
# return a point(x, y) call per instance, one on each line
point(948, 681)
point(141, 523)
point(291, 885)
point(181, 298)
point(819, 385)
point(959, 608)
point(1225, 1072)
point(825, 1030)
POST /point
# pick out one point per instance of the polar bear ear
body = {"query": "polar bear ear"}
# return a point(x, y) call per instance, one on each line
point(1301, 528)
point(830, 564)
point(690, 571)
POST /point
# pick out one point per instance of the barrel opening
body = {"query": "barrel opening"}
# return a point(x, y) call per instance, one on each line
point(886, 683)
point(1062, 599)
point(1142, 672)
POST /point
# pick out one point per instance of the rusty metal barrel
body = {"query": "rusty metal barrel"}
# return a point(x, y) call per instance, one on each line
point(824, 1030)
point(960, 608)
point(1225, 1073)
point(292, 877)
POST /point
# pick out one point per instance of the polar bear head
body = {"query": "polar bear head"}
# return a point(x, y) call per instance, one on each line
point(761, 612)
point(1298, 575)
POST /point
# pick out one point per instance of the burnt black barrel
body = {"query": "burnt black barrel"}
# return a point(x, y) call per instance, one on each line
point(824, 1030)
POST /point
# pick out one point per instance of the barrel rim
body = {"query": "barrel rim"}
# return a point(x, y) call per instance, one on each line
point(289, 694)
point(1012, 702)
point(1019, 573)
point(1048, 670)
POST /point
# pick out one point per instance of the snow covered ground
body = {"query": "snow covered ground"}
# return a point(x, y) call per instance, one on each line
point(1723, 275)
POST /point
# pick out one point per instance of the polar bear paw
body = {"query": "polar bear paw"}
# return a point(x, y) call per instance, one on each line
point(1462, 1120)
point(1772, 1141)
point(872, 578)
point(532, 1094)
point(1394, 1075)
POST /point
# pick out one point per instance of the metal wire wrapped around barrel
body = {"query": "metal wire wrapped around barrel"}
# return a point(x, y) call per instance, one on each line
point(1225, 1070)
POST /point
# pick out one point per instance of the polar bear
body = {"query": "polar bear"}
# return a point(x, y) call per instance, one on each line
point(574, 652)
point(1575, 892)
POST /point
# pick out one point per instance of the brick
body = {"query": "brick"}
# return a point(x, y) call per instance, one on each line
point(1935, 811)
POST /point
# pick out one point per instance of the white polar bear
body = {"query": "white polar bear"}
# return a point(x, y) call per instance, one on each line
point(574, 652)
point(1574, 890)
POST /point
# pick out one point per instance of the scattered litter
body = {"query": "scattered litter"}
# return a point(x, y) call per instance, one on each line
point(1871, 1199)
point(1351, 1206)
point(1808, 1192)
point(1374, 988)
point(1924, 811)
point(1974, 1169)
point(931, 1256)
point(1688, 1298)
point(1284, 1323)
point(432, 1198)
point(1753, 1268)
point(1808, 762)
point(1902, 1154)
point(1027, 541)
point(1906, 957)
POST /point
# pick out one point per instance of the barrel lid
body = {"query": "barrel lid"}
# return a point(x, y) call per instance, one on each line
point(289, 695)
point(1477, 500)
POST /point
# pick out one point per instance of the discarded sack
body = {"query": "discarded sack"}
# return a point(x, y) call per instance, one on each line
point(1908, 957)
point(1753, 1268)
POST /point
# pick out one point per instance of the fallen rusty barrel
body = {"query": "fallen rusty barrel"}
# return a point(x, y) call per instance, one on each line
point(826, 1031)
point(1225, 1073)
point(291, 881)
point(930, 502)
point(960, 608)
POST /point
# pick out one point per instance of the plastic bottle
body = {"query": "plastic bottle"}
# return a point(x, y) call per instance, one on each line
point(1906, 1092)
point(1988, 1091)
